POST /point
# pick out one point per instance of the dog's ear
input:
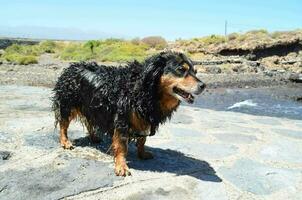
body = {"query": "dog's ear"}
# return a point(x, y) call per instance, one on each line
point(160, 60)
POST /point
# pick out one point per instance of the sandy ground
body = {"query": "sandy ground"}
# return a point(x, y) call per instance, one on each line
point(199, 154)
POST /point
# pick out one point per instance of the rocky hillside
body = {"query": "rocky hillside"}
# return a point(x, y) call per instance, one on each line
point(254, 51)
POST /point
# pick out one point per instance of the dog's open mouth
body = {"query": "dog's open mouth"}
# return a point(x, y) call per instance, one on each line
point(185, 95)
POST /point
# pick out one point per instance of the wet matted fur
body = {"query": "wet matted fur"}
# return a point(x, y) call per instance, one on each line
point(124, 102)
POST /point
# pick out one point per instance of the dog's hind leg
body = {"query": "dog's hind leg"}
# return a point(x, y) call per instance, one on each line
point(141, 153)
point(64, 124)
point(120, 149)
point(65, 143)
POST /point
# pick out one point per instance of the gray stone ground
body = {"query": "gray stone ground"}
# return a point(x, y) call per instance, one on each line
point(200, 154)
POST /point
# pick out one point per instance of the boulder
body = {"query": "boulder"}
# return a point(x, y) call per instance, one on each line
point(213, 69)
point(296, 77)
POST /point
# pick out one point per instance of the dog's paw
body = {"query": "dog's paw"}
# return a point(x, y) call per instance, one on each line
point(67, 145)
point(145, 155)
point(122, 170)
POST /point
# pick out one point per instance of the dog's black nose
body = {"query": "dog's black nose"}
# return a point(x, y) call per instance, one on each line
point(202, 86)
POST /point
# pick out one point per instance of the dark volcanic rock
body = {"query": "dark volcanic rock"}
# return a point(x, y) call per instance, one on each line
point(280, 48)
point(5, 42)
point(5, 155)
point(296, 77)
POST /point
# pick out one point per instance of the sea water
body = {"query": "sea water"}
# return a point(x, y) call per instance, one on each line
point(273, 101)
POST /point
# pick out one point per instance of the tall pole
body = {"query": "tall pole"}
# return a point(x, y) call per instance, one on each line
point(225, 28)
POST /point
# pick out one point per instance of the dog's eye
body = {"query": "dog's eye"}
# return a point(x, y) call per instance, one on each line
point(181, 70)
point(186, 66)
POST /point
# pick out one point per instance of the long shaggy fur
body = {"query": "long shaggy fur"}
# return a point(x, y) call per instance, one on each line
point(106, 95)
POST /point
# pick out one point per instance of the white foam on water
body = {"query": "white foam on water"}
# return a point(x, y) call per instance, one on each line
point(246, 103)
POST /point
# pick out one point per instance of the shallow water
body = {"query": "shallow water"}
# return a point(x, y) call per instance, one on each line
point(276, 101)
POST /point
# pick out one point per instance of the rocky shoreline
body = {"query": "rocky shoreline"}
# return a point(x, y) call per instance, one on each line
point(199, 154)
point(45, 73)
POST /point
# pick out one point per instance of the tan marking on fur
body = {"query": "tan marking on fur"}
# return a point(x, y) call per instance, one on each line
point(137, 123)
point(188, 81)
point(75, 113)
point(120, 150)
point(65, 143)
point(168, 82)
point(167, 101)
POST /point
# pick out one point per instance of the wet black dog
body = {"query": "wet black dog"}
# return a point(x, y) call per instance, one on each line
point(125, 102)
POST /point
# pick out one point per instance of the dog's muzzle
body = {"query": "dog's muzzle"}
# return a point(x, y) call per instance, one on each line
point(200, 88)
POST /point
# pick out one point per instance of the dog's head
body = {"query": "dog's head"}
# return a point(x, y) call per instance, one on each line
point(179, 77)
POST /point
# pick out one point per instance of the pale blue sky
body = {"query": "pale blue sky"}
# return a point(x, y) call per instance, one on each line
point(94, 19)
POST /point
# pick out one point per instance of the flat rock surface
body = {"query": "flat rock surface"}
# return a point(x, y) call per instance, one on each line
point(199, 154)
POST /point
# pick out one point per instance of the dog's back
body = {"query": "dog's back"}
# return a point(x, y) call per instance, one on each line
point(91, 92)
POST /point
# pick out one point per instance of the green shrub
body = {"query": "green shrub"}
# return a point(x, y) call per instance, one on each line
point(258, 31)
point(76, 52)
point(47, 47)
point(22, 54)
point(121, 51)
point(212, 39)
point(20, 59)
point(113, 50)
point(92, 44)
point(22, 49)
point(26, 60)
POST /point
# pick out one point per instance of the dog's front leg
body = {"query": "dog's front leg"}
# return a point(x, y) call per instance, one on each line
point(120, 148)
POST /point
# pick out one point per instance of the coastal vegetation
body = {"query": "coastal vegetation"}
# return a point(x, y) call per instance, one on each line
point(121, 50)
